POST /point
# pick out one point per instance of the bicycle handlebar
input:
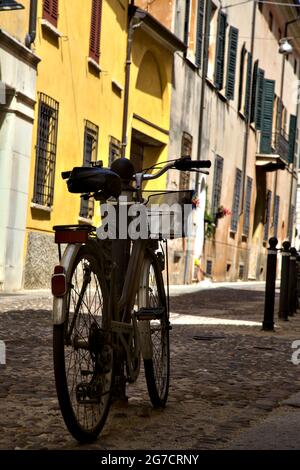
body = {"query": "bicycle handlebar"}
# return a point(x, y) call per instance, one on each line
point(182, 164)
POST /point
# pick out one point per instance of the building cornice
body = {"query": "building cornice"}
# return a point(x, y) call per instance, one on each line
point(22, 52)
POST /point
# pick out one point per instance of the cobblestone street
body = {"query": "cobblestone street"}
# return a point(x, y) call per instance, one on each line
point(225, 377)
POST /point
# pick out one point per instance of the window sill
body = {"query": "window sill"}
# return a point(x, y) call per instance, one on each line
point(222, 96)
point(85, 221)
point(40, 207)
point(191, 63)
point(210, 83)
point(94, 65)
point(117, 85)
point(50, 28)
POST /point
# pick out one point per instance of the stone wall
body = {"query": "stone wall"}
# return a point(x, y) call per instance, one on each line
point(41, 257)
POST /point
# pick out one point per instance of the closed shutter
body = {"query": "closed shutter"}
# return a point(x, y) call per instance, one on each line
point(50, 11)
point(231, 64)
point(276, 215)
point(292, 137)
point(246, 224)
point(199, 39)
point(220, 51)
point(95, 30)
point(254, 91)
point(242, 65)
point(248, 86)
point(267, 219)
point(217, 185)
point(259, 97)
point(267, 117)
point(236, 200)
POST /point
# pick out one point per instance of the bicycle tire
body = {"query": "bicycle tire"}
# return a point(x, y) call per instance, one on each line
point(155, 333)
point(84, 396)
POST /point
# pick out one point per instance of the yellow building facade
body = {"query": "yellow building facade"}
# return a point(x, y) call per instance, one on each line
point(92, 106)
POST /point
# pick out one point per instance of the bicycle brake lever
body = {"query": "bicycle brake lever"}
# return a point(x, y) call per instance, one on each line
point(201, 171)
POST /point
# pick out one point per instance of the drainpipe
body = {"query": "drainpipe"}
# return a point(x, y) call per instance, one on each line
point(247, 124)
point(131, 28)
point(31, 35)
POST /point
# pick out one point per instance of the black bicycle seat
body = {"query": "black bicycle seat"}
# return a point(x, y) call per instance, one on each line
point(92, 180)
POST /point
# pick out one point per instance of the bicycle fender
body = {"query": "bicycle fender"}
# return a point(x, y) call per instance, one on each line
point(67, 261)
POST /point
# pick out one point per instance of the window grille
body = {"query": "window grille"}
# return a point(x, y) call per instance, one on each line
point(91, 133)
point(209, 267)
point(46, 151)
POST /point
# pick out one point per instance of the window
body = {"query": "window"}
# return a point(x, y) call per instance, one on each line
point(209, 267)
point(260, 6)
point(217, 184)
point(46, 151)
point(186, 151)
point(246, 224)
point(270, 21)
point(187, 22)
point(236, 200)
point(267, 217)
point(199, 36)
point(90, 152)
point(295, 66)
point(231, 62)
point(276, 215)
point(95, 30)
point(50, 11)
point(114, 150)
point(267, 117)
point(291, 223)
point(259, 96)
point(210, 47)
point(220, 51)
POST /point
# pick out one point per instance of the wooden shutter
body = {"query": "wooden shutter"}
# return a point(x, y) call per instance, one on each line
point(217, 185)
point(236, 200)
point(242, 64)
point(254, 91)
point(259, 98)
point(267, 117)
point(231, 64)
point(199, 39)
point(268, 212)
point(220, 51)
point(246, 224)
point(95, 30)
point(50, 11)
point(248, 86)
point(292, 137)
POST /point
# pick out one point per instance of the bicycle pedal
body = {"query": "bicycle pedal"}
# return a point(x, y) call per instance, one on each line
point(150, 313)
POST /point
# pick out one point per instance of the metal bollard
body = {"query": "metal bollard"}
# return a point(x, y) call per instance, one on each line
point(268, 323)
point(292, 283)
point(284, 283)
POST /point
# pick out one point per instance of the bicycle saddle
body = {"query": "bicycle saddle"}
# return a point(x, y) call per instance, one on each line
point(92, 180)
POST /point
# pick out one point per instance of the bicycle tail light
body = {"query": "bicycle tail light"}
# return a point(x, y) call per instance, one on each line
point(59, 282)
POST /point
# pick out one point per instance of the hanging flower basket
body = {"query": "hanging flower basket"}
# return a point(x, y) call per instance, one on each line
point(222, 212)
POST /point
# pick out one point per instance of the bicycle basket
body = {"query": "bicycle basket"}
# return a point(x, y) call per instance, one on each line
point(169, 213)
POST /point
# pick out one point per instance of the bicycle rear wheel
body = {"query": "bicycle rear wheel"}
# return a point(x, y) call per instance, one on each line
point(154, 332)
point(82, 352)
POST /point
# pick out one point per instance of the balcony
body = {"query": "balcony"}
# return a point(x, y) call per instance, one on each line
point(278, 158)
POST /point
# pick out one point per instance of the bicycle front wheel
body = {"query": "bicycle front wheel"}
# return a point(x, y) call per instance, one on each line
point(154, 332)
point(83, 358)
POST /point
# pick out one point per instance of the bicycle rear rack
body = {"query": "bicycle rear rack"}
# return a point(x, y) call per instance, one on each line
point(71, 234)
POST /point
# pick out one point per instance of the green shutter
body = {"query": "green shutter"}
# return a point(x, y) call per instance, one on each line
point(267, 117)
point(199, 39)
point(292, 137)
point(248, 86)
point(231, 63)
point(259, 98)
point(220, 51)
point(254, 91)
point(243, 55)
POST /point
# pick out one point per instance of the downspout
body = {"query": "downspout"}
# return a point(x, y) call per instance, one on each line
point(131, 29)
point(31, 35)
point(247, 130)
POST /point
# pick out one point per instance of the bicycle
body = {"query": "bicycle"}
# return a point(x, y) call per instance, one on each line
point(103, 311)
